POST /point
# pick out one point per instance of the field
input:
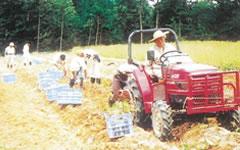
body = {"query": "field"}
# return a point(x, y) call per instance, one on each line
point(224, 55)
point(29, 121)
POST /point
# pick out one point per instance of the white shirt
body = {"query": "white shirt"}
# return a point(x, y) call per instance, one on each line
point(155, 68)
point(78, 63)
point(10, 50)
point(95, 71)
point(26, 50)
point(159, 51)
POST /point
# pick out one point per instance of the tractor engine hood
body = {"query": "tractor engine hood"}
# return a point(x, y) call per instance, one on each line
point(182, 70)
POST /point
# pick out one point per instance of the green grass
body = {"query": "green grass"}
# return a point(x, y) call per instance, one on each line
point(222, 54)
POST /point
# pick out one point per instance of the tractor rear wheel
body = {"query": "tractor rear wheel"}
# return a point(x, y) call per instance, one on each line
point(230, 120)
point(137, 103)
point(162, 119)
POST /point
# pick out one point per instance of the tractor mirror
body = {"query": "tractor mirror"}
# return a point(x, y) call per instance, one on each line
point(150, 55)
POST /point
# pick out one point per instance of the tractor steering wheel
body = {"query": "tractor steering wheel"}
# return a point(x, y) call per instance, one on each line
point(163, 58)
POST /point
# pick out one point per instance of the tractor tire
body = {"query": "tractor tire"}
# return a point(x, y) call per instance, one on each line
point(230, 120)
point(138, 109)
point(162, 120)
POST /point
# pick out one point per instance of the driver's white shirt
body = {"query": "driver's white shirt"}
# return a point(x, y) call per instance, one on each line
point(159, 51)
point(155, 68)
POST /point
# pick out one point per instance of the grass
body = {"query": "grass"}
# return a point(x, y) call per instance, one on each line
point(222, 54)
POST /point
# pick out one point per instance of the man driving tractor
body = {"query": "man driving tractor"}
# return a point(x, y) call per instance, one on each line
point(154, 53)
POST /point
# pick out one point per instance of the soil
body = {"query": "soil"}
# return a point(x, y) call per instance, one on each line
point(29, 121)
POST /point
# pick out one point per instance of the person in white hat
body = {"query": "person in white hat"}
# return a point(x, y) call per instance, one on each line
point(26, 55)
point(160, 47)
point(95, 69)
point(78, 69)
point(10, 54)
point(60, 62)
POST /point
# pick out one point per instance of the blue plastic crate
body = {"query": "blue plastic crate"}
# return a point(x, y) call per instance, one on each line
point(55, 73)
point(9, 78)
point(36, 61)
point(71, 96)
point(119, 125)
point(45, 75)
point(57, 87)
point(46, 83)
point(52, 92)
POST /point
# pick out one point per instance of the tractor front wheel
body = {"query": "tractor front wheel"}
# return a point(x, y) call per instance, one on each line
point(162, 120)
point(137, 104)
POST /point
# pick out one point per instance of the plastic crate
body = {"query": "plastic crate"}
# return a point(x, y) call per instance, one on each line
point(52, 92)
point(45, 75)
point(119, 125)
point(36, 61)
point(9, 78)
point(52, 74)
point(56, 74)
point(46, 83)
point(70, 96)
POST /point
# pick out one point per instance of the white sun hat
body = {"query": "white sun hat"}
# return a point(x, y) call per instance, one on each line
point(157, 34)
point(11, 44)
point(89, 51)
point(126, 68)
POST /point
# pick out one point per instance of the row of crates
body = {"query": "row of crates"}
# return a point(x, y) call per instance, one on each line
point(61, 93)
point(118, 125)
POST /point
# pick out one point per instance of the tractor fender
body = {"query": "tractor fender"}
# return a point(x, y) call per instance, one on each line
point(145, 87)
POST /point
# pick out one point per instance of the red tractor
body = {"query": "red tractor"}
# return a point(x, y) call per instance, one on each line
point(186, 88)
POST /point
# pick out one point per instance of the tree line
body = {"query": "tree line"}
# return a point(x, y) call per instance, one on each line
point(61, 24)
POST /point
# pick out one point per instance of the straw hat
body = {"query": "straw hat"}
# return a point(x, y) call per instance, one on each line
point(157, 34)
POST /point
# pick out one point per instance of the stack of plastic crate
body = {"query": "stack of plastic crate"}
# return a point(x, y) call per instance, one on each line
point(46, 80)
point(119, 125)
point(9, 78)
point(61, 93)
point(55, 73)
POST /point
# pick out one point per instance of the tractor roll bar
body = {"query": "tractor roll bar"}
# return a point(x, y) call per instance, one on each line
point(144, 31)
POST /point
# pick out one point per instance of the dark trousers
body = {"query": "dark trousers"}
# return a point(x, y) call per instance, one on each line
point(97, 80)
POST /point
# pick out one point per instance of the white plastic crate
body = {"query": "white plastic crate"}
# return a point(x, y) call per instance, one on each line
point(119, 125)
point(9, 78)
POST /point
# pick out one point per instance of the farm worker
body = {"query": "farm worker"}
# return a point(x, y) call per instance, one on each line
point(78, 69)
point(95, 70)
point(119, 81)
point(10, 54)
point(88, 55)
point(26, 54)
point(60, 63)
point(155, 52)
